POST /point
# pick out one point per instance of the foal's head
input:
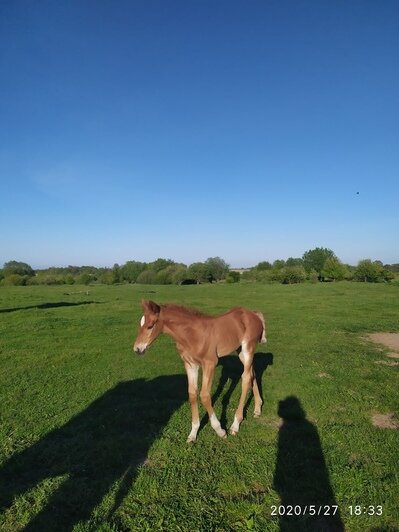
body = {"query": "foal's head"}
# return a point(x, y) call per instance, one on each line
point(150, 326)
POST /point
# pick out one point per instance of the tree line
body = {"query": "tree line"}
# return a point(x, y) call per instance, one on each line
point(318, 264)
point(321, 264)
point(160, 271)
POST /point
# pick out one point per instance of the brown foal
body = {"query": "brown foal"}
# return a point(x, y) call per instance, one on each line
point(201, 340)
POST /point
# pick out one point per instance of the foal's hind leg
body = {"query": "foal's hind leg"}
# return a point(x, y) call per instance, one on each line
point(248, 378)
point(208, 370)
point(257, 396)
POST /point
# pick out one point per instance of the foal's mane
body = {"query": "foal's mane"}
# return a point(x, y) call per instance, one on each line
point(186, 311)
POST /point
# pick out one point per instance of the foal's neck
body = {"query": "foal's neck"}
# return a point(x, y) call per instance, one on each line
point(176, 320)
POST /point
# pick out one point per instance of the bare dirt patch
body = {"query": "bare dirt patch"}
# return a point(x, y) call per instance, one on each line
point(387, 362)
point(390, 340)
point(385, 421)
point(393, 355)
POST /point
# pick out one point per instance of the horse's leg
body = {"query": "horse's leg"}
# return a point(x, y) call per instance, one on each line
point(257, 396)
point(255, 388)
point(247, 379)
point(192, 378)
point(208, 370)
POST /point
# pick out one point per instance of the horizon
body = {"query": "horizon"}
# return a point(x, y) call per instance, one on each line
point(250, 132)
point(231, 266)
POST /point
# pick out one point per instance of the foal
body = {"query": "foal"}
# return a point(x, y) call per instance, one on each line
point(201, 340)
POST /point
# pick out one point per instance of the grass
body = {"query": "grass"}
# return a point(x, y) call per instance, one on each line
point(92, 437)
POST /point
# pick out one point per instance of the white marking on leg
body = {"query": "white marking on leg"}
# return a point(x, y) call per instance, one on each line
point(193, 434)
point(192, 376)
point(216, 426)
point(235, 427)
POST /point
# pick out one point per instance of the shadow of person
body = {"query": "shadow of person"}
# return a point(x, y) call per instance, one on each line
point(105, 443)
point(232, 369)
point(301, 476)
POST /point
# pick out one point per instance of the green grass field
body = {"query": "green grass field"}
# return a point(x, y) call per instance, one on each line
point(93, 437)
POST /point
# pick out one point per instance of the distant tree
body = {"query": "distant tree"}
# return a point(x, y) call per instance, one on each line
point(200, 272)
point(131, 270)
point(263, 265)
point(147, 277)
point(160, 264)
point(291, 261)
point(278, 264)
point(334, 269)
point(106, 277)
point(69, 279)
point(217, 267)
point(372, 272)
point(367, 271)
point(314, 259)
point(84, 278)
point(180, 274)
point(116, 274)
point(19, 268)
point(165, 276)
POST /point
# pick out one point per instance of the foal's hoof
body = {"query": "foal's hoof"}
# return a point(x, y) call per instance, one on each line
point(222, 434)
point(256, 414)
point(190, 439)
point(233, 432)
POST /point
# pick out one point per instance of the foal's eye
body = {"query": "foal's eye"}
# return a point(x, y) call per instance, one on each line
point(151, 326)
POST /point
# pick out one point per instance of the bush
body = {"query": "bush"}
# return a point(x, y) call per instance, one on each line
point(292, 275)
point(147, 277)
point(164, 276)
point(372, 272)
point(233, 277)
point(180, 274)
point(249, 275)
point(334, 269)
point(313, 276)
point(107, 277)
point(46, 280)
point(14, 280)
point(84, 278)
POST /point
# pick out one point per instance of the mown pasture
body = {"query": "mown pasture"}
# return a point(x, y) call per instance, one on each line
point(93, 437)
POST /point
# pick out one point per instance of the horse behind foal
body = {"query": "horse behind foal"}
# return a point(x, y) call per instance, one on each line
point(201, 340)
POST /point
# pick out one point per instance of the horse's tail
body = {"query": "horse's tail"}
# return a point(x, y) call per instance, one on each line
point(262, 338)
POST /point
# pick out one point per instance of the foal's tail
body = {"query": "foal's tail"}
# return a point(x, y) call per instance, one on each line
point(262, 339)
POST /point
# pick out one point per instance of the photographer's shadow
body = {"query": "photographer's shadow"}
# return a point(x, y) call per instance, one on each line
point(301, 476)
point(105, 443)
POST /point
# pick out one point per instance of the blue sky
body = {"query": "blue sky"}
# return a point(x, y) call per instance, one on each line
point(190, 129)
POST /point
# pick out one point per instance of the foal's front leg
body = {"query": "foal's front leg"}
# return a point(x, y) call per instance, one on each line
point(192, 378)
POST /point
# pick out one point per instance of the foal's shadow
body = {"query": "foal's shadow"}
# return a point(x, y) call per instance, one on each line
point(231, 375)
point(105, 443)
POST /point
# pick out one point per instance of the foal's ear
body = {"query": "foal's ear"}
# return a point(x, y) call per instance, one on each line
point(150, 306)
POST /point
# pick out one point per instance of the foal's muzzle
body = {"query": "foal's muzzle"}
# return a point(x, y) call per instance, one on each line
point(139, 350)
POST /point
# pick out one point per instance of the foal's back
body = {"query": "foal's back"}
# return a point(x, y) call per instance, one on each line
point(233, 328)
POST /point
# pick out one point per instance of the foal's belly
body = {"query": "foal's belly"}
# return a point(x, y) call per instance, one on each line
point(226, 348)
